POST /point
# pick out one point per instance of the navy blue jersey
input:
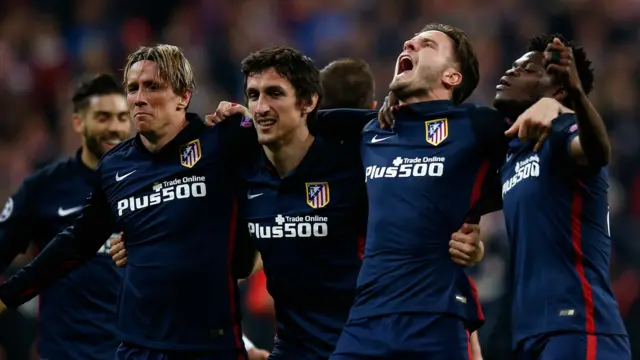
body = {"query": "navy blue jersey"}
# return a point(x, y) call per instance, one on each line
point(557, 219)
point(175, 208)
point(77, 313)
point(425, 178)
point(309, 227)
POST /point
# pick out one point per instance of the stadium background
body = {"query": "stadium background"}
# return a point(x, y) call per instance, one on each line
point(46, 45)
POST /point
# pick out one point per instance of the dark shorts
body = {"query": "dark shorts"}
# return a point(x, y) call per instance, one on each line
point(131, 352)
point(574, 346)
point(404, 336)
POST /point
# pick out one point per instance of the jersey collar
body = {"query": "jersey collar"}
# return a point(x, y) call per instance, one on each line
point(194, 127)
point(307, 163)
point(426, 107)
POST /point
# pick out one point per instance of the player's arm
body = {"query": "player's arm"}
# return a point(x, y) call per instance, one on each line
point(474, 342)
point(342, 124)
point(17, 223)
point(591, 146)
point(65, 252)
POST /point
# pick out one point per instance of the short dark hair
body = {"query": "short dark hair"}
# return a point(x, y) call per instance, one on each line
point(102, 84)
point(465, 57)
point(347, 83)
point(583, 64)
point(292, 65)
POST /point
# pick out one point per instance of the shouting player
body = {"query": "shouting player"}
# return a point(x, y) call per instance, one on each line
point(171, 190)
point(306, 205)
point(556, 213)
point(77, 314)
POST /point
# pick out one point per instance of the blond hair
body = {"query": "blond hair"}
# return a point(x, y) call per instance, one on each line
point(173, 67)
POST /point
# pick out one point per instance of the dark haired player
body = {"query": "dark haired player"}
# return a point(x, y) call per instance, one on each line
point(171, 190)
point(306, 205)
point(556, 212)
point(77, 313)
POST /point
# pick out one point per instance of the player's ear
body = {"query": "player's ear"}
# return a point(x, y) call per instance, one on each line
point(374, 105)
point(78, 124)
point(308, 106)
point(560, 94)
point(184, 100)
point(452, 77)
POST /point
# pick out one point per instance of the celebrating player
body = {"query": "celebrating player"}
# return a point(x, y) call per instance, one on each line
point(556, 212)
point(347, 83)
point(308, 189)
point(171, 190)
point(77, 317)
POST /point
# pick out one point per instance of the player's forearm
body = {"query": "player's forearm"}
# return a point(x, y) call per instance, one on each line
point(67, 251)
point(343, 124)
point(594, 144)
point(476, 351)
point(11, 245)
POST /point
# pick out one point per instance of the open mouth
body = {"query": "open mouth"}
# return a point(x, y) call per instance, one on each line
point(111, 143)
point(265, 123)
point(405, 64)
point(503, 84)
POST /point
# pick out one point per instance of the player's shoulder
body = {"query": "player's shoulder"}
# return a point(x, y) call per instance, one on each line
point(120, 149)
point(565, 123)
point(60, 168)
point(373, 124)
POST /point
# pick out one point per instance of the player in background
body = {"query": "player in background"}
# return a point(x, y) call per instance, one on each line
point(171, 189)
point(77, 313)
point(347, 83)
point(556, 212)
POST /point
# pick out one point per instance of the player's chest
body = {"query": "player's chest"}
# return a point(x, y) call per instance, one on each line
point(303, 206)
point(420, 151)
point(62, 204)
point(527, 175)
point(196, 173)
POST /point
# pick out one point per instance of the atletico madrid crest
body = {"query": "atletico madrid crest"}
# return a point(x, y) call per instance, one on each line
point(317, 194)
point(190, 153)
point(437, 130)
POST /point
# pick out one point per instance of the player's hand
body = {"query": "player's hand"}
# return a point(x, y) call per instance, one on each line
point(385, 114)
point(535, 123)
point(258, 354)
point(465, 247)
point(559, 60)
point(3, 307)
point(226, 109)
point(118, 252)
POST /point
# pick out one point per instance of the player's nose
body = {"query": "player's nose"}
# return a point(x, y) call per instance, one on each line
point(410, 45)
point(262, 105)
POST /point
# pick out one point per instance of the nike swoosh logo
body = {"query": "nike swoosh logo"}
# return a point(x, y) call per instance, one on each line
point(66, 212)
point(252, 196)
point(119, 178)
point(376, 139)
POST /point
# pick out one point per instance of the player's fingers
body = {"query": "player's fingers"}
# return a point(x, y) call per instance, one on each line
point(556, 68)
point(459, 255)
point(122, 254)
point(461, 262)
point(541, 140)
point(210, 119)
point(463, 238)
point(523, 131)
point(385, 116)
point(463, 247)
point(513, 130)
point(121, 263)
point(116, 248)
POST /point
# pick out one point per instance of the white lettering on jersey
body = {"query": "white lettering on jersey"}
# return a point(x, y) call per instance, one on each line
point(407, 167)
point(530, 167)
point(292, 227)
point(187, 187)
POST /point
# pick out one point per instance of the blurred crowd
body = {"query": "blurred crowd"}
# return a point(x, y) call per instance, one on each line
point(46, 46)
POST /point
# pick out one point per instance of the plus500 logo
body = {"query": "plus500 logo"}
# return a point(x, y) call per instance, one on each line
point(405, 167)
point(162, 194)
point(291, 227)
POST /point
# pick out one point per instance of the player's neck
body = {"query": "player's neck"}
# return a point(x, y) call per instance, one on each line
point(88, 159)
point(155, 141)
point(287, 154)
point(430, 95)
